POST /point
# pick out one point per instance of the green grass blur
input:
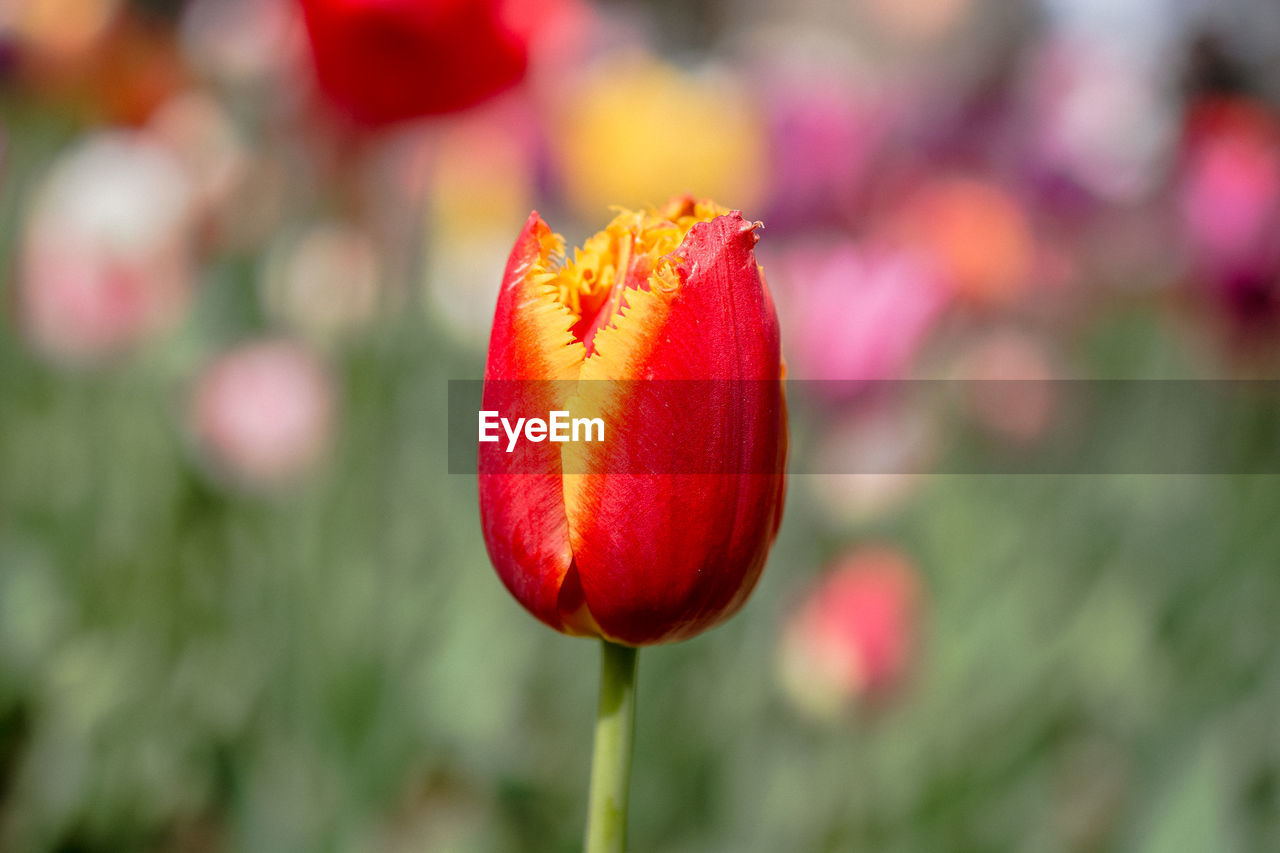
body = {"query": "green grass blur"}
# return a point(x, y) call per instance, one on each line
point(187, 667)
point(338, 668)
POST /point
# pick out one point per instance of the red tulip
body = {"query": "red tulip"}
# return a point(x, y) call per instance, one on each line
point(383, 61)
point(603, 550)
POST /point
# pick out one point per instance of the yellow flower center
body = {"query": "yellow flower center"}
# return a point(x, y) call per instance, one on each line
point(635, 251)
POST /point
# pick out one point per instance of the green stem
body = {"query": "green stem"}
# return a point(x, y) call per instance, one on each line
point(611, 764)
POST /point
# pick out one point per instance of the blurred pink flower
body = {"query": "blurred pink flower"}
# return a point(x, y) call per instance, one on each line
point(105, 260)
point(263, 413)
point(855, 312)
point(1229, 195)
point(1230, 185)
point(854, 633)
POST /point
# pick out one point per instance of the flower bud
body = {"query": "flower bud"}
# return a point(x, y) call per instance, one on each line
point(583, 538)
point(384, 62)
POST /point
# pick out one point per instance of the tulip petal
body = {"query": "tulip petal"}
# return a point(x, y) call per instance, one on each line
point(664, 556)
point(532, 337)
point(523, 514)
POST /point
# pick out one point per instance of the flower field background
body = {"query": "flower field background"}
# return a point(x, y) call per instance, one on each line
point(244, 605)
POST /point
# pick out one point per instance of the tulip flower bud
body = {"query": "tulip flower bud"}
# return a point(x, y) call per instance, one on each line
point(386, 61)
point(586, 541)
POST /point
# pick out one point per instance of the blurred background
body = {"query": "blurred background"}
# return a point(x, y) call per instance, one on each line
point(245, 244)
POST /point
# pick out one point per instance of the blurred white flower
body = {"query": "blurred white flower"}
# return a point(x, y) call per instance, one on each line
point(106, 250)
point(1147, 32)
point(1101, 119)
point(323, 282)
point(875, 455)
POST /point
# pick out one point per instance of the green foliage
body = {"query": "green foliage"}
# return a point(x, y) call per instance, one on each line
point(187, 668)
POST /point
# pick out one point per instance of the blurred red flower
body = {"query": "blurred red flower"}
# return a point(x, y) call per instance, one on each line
point(854, 632)
point(385, 61)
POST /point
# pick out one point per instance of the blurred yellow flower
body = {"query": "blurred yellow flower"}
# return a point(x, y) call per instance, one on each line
point(481, 169)
point(638, 130)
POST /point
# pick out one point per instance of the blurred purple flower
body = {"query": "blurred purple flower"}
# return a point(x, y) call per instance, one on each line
point(825, 123)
